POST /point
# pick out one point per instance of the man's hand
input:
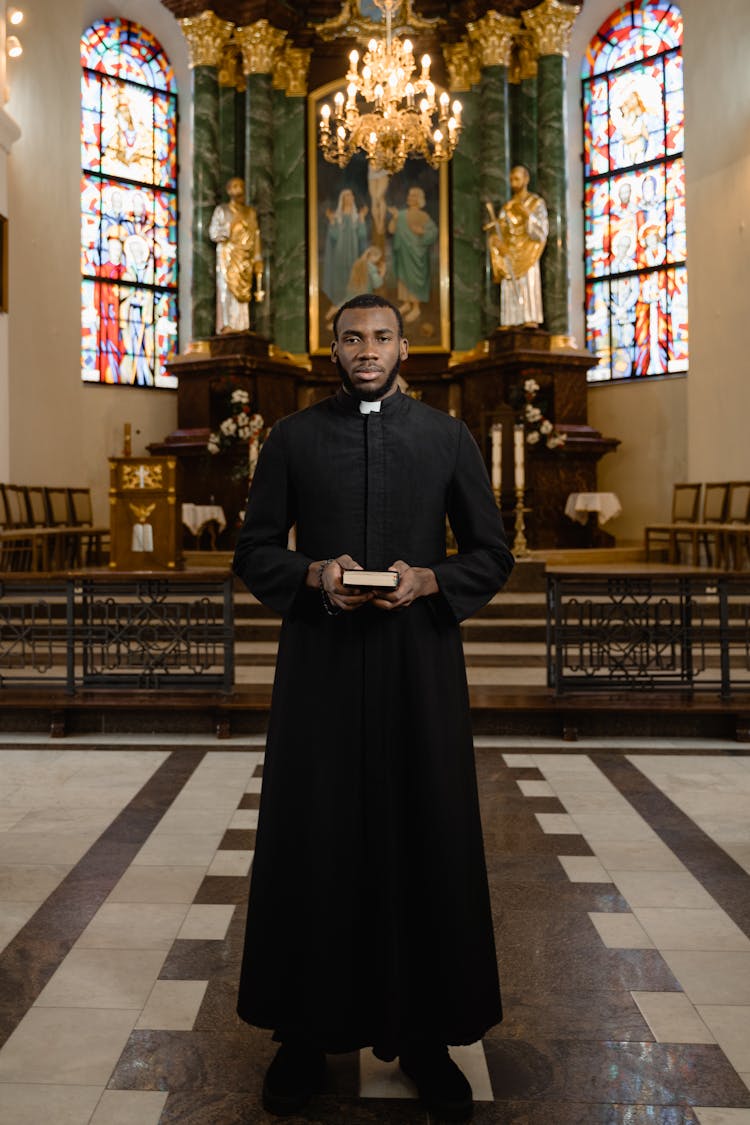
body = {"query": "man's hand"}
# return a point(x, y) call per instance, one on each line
point(340, 596)
point(414, 582)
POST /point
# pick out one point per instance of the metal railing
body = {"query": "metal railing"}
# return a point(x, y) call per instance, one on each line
point(157, 631)
point(675, 631)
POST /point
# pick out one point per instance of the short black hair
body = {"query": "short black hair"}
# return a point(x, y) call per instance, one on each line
point(368, 301)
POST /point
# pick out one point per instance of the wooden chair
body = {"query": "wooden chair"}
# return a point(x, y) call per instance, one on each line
point(18, 552)
point(705, 533)
point(88, 546)
point(685, 507)
point(734, 533)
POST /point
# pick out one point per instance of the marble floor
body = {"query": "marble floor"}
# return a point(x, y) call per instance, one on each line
point(620, 880)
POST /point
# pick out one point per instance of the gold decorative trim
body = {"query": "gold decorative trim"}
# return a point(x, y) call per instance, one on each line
point(479, 351)
point(463, 65)
point(551, 24)
point(563, 343)
point(198, 347)
point(142, 476)
point(259, 43)
point(351, 23)
point(206, 37)
point(493, 37)
point(290, 69)
point(230, 67)
point(524, 60)
point(299, 360)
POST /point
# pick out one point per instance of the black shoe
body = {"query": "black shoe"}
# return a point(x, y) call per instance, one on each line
point(295, 1074)
point(443, 1088)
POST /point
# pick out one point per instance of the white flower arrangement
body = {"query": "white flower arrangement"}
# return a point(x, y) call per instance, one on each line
point(240, 426)
point(537, 426)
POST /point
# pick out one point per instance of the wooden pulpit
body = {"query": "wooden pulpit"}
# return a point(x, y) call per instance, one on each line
point(145, 526)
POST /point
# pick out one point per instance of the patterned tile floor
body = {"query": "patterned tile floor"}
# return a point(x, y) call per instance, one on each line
point(620, 877)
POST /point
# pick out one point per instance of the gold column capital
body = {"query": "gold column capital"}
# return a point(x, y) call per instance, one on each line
point(206, 36)
point(230, 67)
point(524, 63)
point(551, 24)
point(463, 66)
point(493, 37)
point(290, 69)
point(259, 43)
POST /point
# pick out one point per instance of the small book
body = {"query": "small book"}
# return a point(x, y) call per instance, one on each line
point(371, 579)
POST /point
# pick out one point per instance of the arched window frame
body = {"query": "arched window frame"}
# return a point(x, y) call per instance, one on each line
point(129, 207)
point(635, 235)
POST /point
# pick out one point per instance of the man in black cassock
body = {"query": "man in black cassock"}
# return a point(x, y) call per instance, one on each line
point(369, 920)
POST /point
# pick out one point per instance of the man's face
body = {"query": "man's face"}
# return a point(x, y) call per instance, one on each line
point(519, 179)
point(236, 190)
point(368, 352)
point(624, 192)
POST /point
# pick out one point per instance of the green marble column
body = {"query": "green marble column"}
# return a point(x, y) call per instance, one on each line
point(467, 282)
point(206, 194)
point(259, 181)
point(288, 265)
point(552, 181)
point(494, 169)
point(228, 165)
point(239, 132)
point(524, 148)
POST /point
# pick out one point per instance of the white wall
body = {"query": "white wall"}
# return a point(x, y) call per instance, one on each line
point(62, 431)
point(717, 154)
point(649, 415)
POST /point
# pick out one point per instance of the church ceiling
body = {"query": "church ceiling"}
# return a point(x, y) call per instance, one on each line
point(301, 18)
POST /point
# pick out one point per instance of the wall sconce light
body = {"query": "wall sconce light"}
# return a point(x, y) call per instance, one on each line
point(13, 46)
point(14, 16)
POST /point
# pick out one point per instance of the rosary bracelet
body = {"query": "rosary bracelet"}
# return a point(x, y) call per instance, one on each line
point(331, 609)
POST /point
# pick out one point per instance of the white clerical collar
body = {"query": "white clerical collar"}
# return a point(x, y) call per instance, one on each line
point(369, 407)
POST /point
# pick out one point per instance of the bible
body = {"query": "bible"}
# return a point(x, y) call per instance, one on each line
point(371, 579)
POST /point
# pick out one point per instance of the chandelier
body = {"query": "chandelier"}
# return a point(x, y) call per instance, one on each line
point(400, 116)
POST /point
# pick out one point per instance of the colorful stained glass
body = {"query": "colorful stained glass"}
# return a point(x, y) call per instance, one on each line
point(634, 192)
point(128, 207)
point(635, 31)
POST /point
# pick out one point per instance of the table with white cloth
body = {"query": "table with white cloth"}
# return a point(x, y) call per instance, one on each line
point(198, 518)
point(580, 505)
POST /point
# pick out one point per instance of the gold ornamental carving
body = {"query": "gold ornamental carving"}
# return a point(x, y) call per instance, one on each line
point(493, 37)
point(551, 24)
point(230, 67)
point(142, 476)
point(290, 69)
point(463, 66)
point(259, 43)
point(524, 62)
point(351, 24)
point(206, 37)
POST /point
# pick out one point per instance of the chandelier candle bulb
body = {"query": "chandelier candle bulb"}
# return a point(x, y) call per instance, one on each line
point(519, 457)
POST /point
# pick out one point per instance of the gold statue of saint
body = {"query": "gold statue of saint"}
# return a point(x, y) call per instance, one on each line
point(515, 239)
point(234, 229)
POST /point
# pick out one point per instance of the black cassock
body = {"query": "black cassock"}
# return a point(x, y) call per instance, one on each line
point(369, 919)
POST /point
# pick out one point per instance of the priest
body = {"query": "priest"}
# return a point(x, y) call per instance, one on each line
point(369, 920)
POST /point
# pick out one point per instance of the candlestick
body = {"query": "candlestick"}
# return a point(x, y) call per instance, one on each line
point(519, 457)
point(520, 546)
point(127, 440)
point(496, 434)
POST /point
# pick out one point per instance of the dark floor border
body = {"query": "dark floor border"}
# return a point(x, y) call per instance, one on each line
point(38, 949)
point(723, 878)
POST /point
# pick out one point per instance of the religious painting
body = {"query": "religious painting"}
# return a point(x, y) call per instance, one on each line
point(128, 207)
point(634, 194)
point(371, 232)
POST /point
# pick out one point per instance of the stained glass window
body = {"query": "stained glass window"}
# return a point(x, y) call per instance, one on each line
point(128, 207)
point(634, 193)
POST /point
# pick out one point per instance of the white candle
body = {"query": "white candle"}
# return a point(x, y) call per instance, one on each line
point(519, 451)
point(497, 459)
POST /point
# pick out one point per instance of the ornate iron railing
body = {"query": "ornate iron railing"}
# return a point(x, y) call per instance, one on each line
point(112, 631)
point(644, 632)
